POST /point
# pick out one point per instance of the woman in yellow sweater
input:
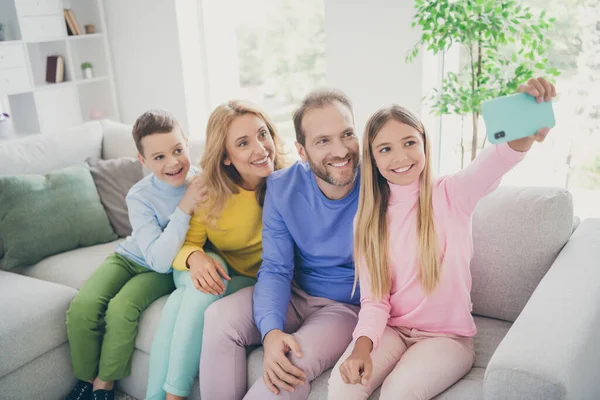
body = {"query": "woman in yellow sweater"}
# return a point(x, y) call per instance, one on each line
point(222, 249)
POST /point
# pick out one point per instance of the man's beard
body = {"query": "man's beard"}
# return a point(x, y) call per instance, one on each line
point(322, 171)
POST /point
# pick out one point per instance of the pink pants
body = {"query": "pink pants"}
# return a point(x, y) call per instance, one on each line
point(322, 327)
point(410, 364)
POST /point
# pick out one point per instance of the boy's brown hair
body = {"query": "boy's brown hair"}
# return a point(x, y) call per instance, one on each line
point(151, 122)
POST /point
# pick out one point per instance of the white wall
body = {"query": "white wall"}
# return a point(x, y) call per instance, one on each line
point(147, 59)
point(366, 47)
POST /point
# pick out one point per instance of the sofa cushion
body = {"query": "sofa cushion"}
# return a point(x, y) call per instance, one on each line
point(470, 387)
point(490, 333)
point(42, 215)
point(71, 268)
point(40, 154)
point(33, 319)
point(113, 179)
point(36, 154)
point(148, 323)
point(118, 142)
point(517, 234)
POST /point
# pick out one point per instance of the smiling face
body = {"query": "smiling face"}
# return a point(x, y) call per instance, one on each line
point(167, 156)
point(250, 149)
point(331, 148)
point(399, 152)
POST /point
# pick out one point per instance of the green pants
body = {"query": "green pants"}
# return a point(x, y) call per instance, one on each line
point(102, 320)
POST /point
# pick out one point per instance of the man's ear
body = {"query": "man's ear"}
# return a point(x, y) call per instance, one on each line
point(301, 152)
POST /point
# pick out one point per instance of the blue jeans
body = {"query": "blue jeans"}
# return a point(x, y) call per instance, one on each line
point(175, 353)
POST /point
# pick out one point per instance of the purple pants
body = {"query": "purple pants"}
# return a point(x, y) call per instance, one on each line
point(322, 327)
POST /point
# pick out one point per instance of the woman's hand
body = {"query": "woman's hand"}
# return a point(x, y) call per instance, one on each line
point(206, 273)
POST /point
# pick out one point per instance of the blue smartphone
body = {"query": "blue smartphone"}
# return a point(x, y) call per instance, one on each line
point(515, 116)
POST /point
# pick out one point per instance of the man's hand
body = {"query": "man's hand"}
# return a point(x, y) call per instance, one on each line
point(358, 368)
point(194, 195)
point(542, 90)
point(278, 370)
point(206, 273)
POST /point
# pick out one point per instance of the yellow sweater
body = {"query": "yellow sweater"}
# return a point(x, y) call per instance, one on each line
point(237, 237)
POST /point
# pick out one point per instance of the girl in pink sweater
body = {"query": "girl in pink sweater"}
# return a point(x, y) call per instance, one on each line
point(413, 248)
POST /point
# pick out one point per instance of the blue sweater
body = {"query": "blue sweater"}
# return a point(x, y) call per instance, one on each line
point(306, 237)
point(159, 226)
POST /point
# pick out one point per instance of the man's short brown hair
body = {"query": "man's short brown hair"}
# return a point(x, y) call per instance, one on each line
point(151, 122)
point(316, 99)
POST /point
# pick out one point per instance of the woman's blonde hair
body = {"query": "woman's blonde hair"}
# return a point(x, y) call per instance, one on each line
point(221, 180)
point(371, 233)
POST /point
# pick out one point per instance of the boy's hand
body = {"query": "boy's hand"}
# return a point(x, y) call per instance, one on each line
point(542, 90)
point(205, 272)
point(194, 195)
point(358, 368)
point(278, 371)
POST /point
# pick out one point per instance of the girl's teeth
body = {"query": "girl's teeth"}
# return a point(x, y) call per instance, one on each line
point(402, 169)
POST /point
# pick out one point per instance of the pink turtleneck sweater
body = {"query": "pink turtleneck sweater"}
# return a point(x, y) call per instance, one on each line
point(448, 308)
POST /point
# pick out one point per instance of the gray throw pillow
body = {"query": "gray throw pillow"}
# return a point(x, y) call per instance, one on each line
point(113, 179)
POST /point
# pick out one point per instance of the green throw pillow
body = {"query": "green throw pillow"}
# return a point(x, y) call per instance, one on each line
point(45, 215)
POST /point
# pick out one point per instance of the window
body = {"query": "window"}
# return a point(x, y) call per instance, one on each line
point(281, 55)
point(570, 156)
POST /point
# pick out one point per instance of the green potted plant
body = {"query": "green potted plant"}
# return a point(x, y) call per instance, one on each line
point(1, 32)
point(87, 68)
point(505, 43)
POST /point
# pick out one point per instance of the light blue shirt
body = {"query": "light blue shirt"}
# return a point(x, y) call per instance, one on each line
point(159, 226)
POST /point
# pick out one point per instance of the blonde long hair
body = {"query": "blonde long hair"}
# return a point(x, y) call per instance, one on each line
point(221, 180)
point(371, 233)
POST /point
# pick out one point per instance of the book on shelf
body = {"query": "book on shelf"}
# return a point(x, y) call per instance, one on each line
point(70, 27)
point(55, 69)
point(72, 24)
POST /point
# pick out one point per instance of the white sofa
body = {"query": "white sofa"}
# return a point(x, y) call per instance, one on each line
point(536, 292)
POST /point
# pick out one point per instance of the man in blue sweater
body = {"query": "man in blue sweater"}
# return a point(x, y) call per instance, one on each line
point(302, 308)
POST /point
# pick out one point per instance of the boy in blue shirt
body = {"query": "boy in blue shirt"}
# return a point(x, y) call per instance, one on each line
point(102, 319)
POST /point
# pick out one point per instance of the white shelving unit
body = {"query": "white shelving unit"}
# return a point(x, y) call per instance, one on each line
point(36, 29)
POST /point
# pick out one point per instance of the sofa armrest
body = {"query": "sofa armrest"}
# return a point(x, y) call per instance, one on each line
point(552, 350)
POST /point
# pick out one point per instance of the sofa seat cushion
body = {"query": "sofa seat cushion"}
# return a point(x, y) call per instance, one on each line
point(33, 319)
point(148, 324)
point(71, 268)
point(490, 333)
